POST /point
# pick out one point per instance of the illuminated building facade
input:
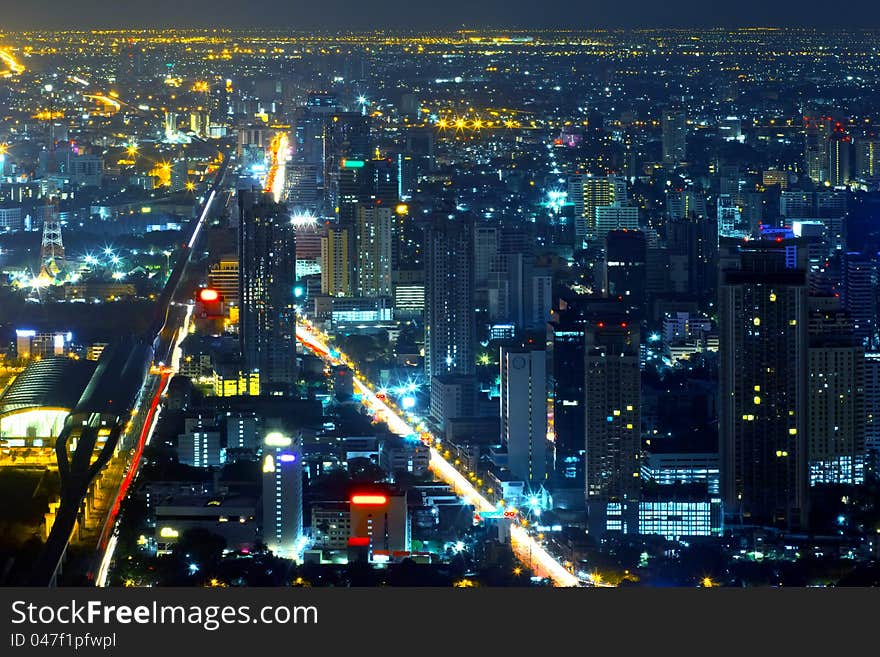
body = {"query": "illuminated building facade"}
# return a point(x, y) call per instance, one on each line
point(524, 412)
point(450, 330)
point(282, 494)
point(379, 524)
point(267, 277)
point(836, 429)
point(373, 224)
point(764, 376)
point(335, 262)
point(612, 421)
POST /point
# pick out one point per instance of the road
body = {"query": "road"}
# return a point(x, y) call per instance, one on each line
point(526, 547)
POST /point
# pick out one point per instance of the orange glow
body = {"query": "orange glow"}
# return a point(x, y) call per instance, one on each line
point(208, 294)
point(372, 500)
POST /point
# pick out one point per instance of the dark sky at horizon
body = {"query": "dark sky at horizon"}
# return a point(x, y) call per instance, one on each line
point(442, 15)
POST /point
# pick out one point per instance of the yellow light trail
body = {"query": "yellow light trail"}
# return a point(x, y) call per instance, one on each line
point(107, 100)
point(526, 548)
point(276, 175)
point(12, 64)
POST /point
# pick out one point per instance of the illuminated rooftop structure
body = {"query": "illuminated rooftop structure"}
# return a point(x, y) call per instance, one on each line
point(35, 406)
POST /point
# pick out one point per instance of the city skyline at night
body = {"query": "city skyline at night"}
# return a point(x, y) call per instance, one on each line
point(399, 301)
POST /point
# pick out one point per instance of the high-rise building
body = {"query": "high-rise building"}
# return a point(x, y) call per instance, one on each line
point(335, 269)
point(859, 296)
point(267, 277)
point(817, 130)
point(674, 128)
point(625, 268)
point(868, 158)
point(590, 192)
point(836, 421)
point(374, 235)
point(871, 397)
point(450, 327)
point(839, 160)
point(693, 254)
point(282, 494)
point(223, 277)
point(764, 376)
point(524, 412)
point(612, 420)
point(566, 340)
point(450, 331)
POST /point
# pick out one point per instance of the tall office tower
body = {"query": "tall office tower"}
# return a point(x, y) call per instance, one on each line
point(346, 186)
point(613, 422)
point(301, 187)
point(839, 148)
point(590, 192)
point(763, 367)
point(384, 186)
point(693, 256)
point(223, 276)
point(485, 249)
point(868, 158)
point(729, 218)
point(335, 262)
point(836, 420)
point(871, 371)
point(817, 130)
point(566, 340)
point(626, 268)
point(518, 290)
point(524, 413)
point(346, 138)
point(674, 127)
point(685, 204)
point(450, 330)
point(859, 296)
point(282, 494)
point(373, 224)
point(267, 276)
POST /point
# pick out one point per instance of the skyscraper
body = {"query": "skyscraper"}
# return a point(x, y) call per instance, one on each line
point(674, 127)
point(763, 367)
point(836, 427)
point(839, 160)
point(612, 419)
point(450, 331)
point(590, 192)
point(267, 277)
point(860, 296)
point(625, 267)
point(282, 494)
point(450, 328)
point(335, 268)
point(374, 236)
point(524, 412)
point(868, 158)
point(566, 340)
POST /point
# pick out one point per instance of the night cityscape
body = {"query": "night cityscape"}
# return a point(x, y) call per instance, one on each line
point(453, 308)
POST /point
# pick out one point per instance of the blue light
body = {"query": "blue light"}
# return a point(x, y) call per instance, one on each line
point(408, 402)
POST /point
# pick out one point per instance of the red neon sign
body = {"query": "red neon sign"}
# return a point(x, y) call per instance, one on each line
point(369, 500)
point(358, 541)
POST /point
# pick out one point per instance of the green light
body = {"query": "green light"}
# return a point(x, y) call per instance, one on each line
point(352, 164)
